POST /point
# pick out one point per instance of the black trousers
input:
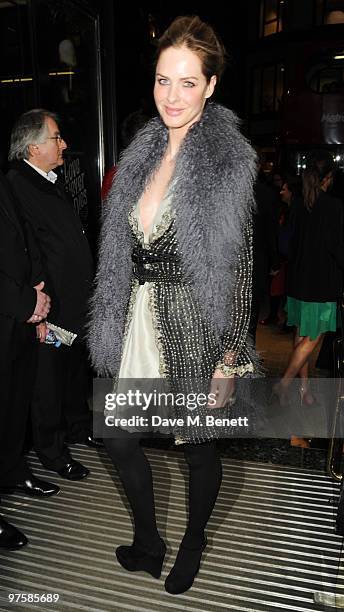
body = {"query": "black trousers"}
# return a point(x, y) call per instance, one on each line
point(59, 408)
point(17, 379)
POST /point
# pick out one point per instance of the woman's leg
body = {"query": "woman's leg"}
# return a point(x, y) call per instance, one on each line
point(204, 482)
point(298, 362)
point(205, 475)
point(303, 372)
point(299, 365)
point(136, 476)
point(306, 396)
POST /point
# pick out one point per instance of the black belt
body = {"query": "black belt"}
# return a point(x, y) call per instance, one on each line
point(156, 267)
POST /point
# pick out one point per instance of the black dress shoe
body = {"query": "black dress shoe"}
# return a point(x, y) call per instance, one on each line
point(93, 442)
point(134, 560)
point(73, 471)
point(32, 486)
point(185, 569)
point(10, 537)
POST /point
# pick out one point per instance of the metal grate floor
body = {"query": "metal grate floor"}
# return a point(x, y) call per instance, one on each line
point(271, 541)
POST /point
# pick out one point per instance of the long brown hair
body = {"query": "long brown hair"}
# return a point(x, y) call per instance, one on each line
point(311, 182)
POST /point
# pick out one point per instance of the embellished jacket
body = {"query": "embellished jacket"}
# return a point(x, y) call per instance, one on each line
point(211, 194)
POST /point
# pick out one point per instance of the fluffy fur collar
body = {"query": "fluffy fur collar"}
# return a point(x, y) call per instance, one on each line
point(212, 198)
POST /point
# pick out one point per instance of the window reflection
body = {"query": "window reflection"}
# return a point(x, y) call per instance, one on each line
point(272, 16)
point(50, 58)
point(325, 74)
point(69, 84)
point(16, 71)
point(267, 88)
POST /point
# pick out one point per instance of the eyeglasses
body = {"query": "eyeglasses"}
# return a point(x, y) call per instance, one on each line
point(58, 138)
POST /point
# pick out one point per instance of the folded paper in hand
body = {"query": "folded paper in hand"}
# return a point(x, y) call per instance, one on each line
point(65, 336)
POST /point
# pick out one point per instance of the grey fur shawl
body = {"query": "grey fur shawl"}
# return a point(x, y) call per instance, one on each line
point(212, 198)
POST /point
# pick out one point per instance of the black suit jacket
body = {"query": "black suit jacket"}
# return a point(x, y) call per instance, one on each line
point(61, 240)
point(19, 272)
point(316, 260)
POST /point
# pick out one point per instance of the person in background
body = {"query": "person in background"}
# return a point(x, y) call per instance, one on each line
point(315, 274)
point(326, 357)
point(23, 304)
point(60, 413)
point(291, 189)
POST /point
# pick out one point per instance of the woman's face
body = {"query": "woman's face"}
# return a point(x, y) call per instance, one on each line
point(181, 89)
point(285, 193)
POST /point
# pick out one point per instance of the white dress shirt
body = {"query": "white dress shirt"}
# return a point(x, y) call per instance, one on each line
point(50, 176)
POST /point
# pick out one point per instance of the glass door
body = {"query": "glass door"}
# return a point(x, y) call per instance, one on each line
point(17, 86)
point(67, 57)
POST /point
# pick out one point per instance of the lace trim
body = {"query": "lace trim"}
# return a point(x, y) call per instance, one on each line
point(163, 368)
point(132, 299)
point(134, 224)
point(179, 441)
point(228, 371)
point(161, 227)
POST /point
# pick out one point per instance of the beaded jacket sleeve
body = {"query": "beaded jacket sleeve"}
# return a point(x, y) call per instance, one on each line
point(236, 360)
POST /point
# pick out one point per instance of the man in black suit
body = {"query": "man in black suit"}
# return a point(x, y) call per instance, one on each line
point(59, 408)
point(23, 304)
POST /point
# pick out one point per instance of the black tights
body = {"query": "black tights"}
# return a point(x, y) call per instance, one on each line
point(135, 472)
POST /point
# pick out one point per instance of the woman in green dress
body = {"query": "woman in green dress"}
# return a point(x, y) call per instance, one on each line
point(315, 273)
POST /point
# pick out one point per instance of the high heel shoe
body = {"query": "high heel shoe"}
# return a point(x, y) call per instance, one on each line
point(280, 394)
point(135, 560)
point(306, 398)
point(300, 442)
point(185, 569)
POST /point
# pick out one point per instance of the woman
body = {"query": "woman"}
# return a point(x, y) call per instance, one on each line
point(314, 274)
point(173, 285)
point(290, 189)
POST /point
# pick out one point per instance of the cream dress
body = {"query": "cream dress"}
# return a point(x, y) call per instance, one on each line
point(140, 356)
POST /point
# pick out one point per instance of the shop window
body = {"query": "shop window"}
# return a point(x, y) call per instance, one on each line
point(50, 58)
point(326, 74)
point(272, 16)
point(16, 72)
point(267, 88)
point(69, 82)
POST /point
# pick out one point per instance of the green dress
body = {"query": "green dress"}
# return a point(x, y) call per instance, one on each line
point(312, 318)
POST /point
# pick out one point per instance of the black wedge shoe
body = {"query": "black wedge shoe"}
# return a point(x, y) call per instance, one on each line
point(135, 560)
point(185, 569)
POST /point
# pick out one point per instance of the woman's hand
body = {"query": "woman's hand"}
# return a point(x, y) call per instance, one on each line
point(223, 389)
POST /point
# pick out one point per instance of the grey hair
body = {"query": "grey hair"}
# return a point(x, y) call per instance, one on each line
point(29, 129)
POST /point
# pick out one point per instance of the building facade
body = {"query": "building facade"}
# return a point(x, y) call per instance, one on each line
point(295, 78)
